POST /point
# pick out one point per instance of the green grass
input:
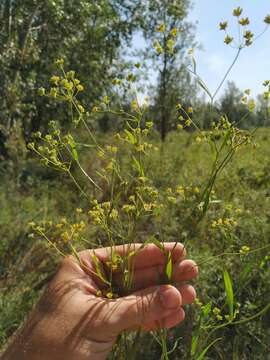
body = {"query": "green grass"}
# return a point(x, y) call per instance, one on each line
point(241, 192)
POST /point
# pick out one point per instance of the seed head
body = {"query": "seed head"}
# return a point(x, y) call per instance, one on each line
point(223, 25)
point(173, 32)
point(244, 21)
point(228, 39)
point(267, 19)
point(161, 28)
point(237, 11)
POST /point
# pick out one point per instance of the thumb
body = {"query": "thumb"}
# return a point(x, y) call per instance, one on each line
point(144, 307)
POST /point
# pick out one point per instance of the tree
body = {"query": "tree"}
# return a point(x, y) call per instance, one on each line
point(34, 33)
point(165, 22)
point(232, 106)
point(263, 112)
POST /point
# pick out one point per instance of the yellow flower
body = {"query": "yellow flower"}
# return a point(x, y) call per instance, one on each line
point(140, 148)
point(161, 28)
point(70, 74)
point(237, 11)
point(244, 100)
point(81, 108)
point(53, 92)
point(79, 211)
point(248, 35)
point(244, 21)
point(79, 87)
point(41, 91)
point(228, 39)
point(223, 25)
point(173, 32)
point(131, 77)
point(148, 207)
point(158, 47)
point(251, 105)
point(95, 109)
point(114, 214)
point(101, 154)
point(106, 100)
point(134, 105)
point(244, 249)
point(131, 198)
point(266, 95)
point(98, 293)
point(106, 205)
point(170, 43)
point(214, 224)
point(55, 79)
point(143, 179)
point(180, 190)
point(171, 199)
point(267, 19)
point(59, 62)
point(109, 295)
point(68, 85)
point(198, 302)
point(128, 208)
point(65, 236)
point(116, 82)
point(216, 311)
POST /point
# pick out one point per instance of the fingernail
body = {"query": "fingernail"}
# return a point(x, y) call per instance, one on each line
point(170, 297)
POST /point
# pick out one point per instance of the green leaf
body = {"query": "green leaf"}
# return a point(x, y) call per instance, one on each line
point(138, 166)
point(169, 267)
point(229, 292)
point(158, 243)
point(194, 344)
point(72, 145)
point(99, 271)
point(203, 353)
point(204, 87)
point(130, 136)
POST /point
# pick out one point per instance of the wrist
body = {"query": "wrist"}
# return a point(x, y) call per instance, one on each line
point(39, 340)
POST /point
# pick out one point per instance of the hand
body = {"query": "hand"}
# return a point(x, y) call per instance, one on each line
point(71, 322)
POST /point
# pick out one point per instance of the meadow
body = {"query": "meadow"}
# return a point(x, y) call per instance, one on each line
point(87, 160)
point(241, 194)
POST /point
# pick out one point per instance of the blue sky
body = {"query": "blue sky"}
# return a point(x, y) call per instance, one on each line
point(215, 57)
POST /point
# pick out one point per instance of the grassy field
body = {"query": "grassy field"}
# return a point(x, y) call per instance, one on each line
point(241, 197)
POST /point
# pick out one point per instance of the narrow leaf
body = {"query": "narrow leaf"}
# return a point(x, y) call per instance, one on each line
point(203, 353)
point(229, 292)
point(169, 267)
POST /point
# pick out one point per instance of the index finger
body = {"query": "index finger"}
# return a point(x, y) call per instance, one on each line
point(144, 256)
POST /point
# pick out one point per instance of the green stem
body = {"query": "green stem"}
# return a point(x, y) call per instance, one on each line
point(226, 74)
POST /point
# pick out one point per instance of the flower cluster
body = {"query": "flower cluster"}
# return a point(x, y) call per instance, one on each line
point(247, 35)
